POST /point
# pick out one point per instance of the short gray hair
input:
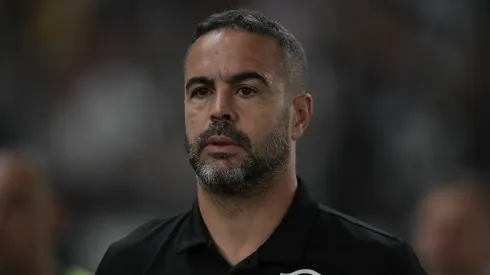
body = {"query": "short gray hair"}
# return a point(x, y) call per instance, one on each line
point(255, 22)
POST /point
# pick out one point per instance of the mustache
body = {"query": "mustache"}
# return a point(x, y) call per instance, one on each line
point(223, 128)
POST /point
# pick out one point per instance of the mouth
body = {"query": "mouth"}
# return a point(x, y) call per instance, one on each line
point(221, 144)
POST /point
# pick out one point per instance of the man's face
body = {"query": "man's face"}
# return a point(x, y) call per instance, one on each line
point(236, 111)
point(452, 234)
point(24, 223)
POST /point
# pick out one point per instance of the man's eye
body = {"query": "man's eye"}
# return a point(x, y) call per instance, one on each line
point(246, 92)
point(201, 92)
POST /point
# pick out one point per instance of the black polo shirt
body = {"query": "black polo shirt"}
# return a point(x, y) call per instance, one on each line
point(311, 239)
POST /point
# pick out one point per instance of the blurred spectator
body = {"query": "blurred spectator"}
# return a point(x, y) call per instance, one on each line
point(30, 220)
point(452, 233)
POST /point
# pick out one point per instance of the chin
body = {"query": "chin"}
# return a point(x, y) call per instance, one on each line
point(221, 165)
point(221, 175)
point(232, 159)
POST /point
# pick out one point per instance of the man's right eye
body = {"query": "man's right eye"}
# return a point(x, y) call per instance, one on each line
point(200, 93)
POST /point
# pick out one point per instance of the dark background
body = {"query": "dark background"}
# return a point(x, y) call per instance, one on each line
point(95, 86)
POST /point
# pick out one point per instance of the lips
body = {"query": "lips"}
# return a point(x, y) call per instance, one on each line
point(220, 141)
point(221, 145)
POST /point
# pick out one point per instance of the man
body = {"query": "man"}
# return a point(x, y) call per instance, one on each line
point(29, 220)
point(246, 106)
point(452, 230)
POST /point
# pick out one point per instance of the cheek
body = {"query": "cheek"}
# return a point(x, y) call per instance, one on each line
point(194, 123)
point(260, 131)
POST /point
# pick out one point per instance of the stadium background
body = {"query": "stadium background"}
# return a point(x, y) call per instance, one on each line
point(95, 86)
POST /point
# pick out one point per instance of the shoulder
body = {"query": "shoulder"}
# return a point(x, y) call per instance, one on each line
point(350, 240)
point(140, 246)
point(351, 229)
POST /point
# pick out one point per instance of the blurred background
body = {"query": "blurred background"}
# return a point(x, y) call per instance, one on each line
point(96, 87)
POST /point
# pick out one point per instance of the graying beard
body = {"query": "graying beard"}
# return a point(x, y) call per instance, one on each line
point(236, 177)
point(213, 177)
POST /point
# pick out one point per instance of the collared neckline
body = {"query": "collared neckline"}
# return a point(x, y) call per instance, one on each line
point(286, 243)
point(194, 231)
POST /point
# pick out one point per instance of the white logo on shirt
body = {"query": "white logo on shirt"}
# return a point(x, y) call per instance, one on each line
point(302, 271)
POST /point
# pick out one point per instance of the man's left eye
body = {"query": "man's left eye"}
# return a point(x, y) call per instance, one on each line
point(246, 92)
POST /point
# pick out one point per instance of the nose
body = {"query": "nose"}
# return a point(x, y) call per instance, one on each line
point(223, 107)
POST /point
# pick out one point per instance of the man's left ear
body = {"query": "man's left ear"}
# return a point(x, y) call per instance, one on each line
point(302, 110)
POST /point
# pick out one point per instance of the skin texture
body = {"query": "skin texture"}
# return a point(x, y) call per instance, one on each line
point(27, 219)
point(452, 233)
point(242, 99)
point(235, 87)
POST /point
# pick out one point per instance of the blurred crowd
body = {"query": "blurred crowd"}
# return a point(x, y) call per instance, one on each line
point(95, 88)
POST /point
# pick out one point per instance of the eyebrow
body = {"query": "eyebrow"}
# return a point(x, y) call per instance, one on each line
point(237, 78)
point(240, 77)
point(198, 80)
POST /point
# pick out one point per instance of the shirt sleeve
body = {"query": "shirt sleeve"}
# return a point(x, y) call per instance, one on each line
point(404, 261)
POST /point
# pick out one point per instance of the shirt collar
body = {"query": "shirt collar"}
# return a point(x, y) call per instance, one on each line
point(194, 231)
point(286, 243)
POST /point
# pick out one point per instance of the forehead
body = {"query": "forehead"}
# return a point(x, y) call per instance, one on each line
point(226, 52)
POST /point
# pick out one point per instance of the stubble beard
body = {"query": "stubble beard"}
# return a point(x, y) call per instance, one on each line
point(225, 180)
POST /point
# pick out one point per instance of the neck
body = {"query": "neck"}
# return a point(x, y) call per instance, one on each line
point(240, 226)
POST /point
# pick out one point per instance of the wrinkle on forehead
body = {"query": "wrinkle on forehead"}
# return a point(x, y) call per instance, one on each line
point(222, 53)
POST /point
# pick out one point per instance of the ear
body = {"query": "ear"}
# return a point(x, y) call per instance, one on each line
point(302, 110)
